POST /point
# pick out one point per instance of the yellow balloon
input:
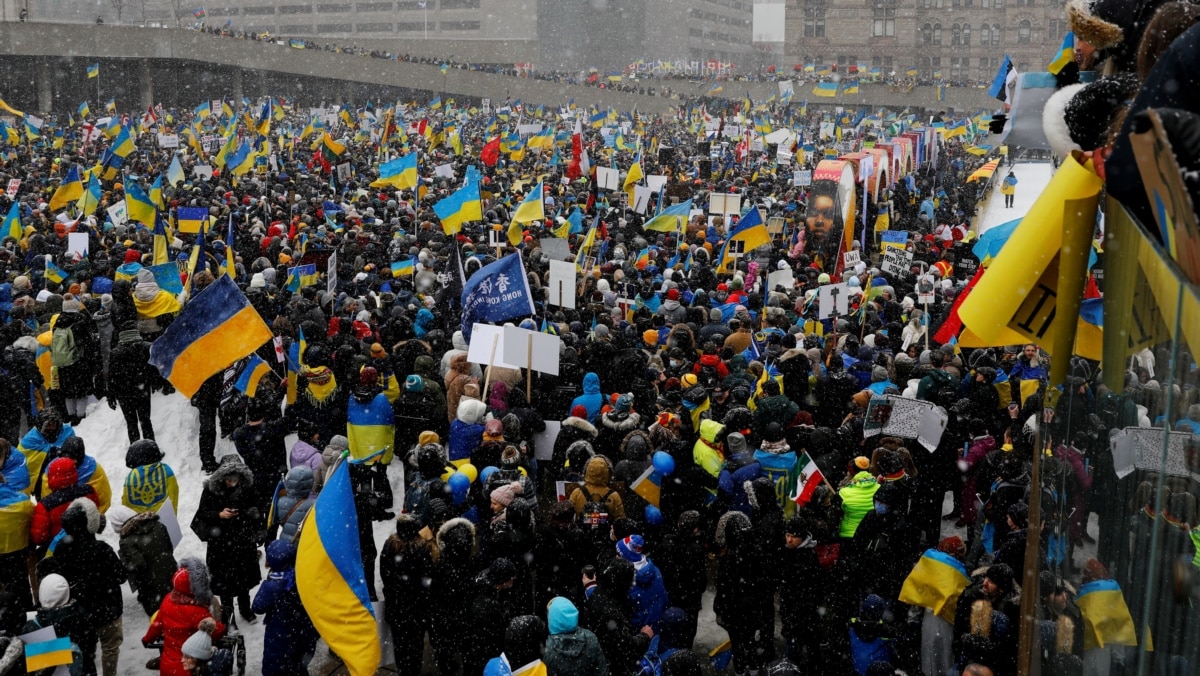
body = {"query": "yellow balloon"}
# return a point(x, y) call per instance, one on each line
point(470, 471)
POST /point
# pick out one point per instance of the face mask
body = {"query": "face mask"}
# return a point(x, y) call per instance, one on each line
point(675, 364)
point(881, 508)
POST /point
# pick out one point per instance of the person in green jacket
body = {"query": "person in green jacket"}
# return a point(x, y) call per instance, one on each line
point(709, 453)
point(858, 498)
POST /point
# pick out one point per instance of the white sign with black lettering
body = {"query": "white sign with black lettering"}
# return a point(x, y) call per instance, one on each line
point(168, 140)
point(851, 258)
point(896, 261)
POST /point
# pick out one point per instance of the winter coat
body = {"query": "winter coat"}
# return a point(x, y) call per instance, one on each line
point(310, 457)
point(89, 565)
point(682, 559)
point(466, 432)
point(800, 589)
point(706, 452)
point(453, 584)
point(263, 449)
point(737, 473)
point(426, 367)
point(132, 374)
point(672, 312)
point(36, 452)
point(559, 553)
point(290, 508)
point(743, 584)
point(571, 649)
point(648, 595)
point(935, 383)
point(572, 429)
point(596, 477)
point(65, 488)
point(458, 377)
point(69, 619)
point(180, 615)
point(613, 427)
point(77, 380)
point(232, 555)
point(591, 399)
point(149, 560)
point(858, 498)
point(606, 614)
point(406, 569)
point(289, 633)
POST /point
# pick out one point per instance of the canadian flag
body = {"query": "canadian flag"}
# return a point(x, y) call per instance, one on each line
point(810, 478)
point(579, 166)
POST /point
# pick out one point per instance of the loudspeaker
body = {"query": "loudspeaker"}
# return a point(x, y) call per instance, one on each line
point(703, 148)
point(705, 168)
point(666, 154)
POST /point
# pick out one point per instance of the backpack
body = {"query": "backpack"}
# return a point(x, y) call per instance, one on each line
point(416, 498)
point(372, 491)
point(708, 377)
point(651, 662)
point(63, 351)
point(595, 517)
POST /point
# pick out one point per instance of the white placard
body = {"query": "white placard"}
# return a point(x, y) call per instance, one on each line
point(77, 242)
point(925, 287)
point(608, 178)
point(168, 140)
point(482, 338)
point(562, 276)
point(118, 213)
point(14, 184)
point(446, 170)
point(1123, 453)
point(166, 515)
point(543, 442)
point(786, 89)
point(518, 343)
point(833, 299)
point(529, 129)
point(802, 178)
point(641, 198)
point(784, 157)
point(930, 429)
point(722, 203)
point(656, 183)
point(850, 258)
point(202, 171)
point(866, 166)
point(331, 272)
point(783, 278)
point(896, 261)
point(556, 248)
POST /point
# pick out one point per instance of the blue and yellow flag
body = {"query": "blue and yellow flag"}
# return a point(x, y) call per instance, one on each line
point(826, 89)
point(330, 577)
point(139, 206)
point(402, 268)
point(191, 219)
point(252, 373)
point(12, 223)
point(69, 191)
point(936, 583)
point(1106, 617)
point(215, 329)
point(400, 173)
point(370, 428)
point(459, 207)
point(203, 110)
point(93, 70)
point(751, 232)
point(1065, 55)
point(302, 276)
point(90, 199)
point(530, 210)
point(54, 273)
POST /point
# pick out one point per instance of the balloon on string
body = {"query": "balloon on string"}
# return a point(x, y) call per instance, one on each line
point(654, 515)
point(488, 472)
point(664, 463)
point(460, 485)
point(470, 471)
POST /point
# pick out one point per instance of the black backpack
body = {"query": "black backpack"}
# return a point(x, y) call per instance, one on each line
point(595, 517)
point(708, 377)
point(417, 496)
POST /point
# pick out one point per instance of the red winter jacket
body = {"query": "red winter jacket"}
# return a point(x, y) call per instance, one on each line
point(64, 489)
point(177, 619)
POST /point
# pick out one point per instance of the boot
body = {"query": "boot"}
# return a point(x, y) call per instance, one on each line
point(153, 665)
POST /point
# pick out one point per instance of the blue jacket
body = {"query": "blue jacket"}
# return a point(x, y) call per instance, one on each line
point(1023, 371)
point(732, 480)
point(289, 633)
point(648, 596)
point(591, 399)
point(464, 438)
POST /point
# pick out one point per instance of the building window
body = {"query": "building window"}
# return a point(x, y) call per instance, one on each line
point(335, 28)
point(996, 34)
point(334, 9)
point(1054, 29)
point(927, 34)
point(295, 29)
point(937, 33)
point(374, 7)
point(956, 35)
point(814, 23)
point(460, 25)
point(257, 11)
point(411, 27)
point(411, 5)
point(884, 24)
point(223, 11)
point(966, 33)
point(460, 4)
point(374, 28)
point(1024, 32)
point(295, 9)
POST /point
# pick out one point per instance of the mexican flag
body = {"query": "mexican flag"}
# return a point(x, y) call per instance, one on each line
point(810, 478)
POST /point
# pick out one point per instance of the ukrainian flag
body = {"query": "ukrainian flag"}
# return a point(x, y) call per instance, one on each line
point(16, 510)
point(70, 190)
point(461, 206)
point(1065, 55)
point(851, 87)
point(149, 486)
point(252, 374)
point(751, 230)
point(597, 120)
point(91, 197)
point(191, 219)
point(12, 223)
point(530, 210)
point(670, 219)
point(1106, 617)
point(47, 654)
point(55, 273)
point(330, 577)
point(648, 486)
point(400, 173)
point(301, 276)
point(203, 110)
point(936, 583)
point(826, 89)
point(370, 428)
point(93, 70)
point(139, 206)
point(402, 268)
point(215, 329)
point(122, 145)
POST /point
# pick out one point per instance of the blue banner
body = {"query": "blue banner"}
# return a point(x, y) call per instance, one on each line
point(496, 292)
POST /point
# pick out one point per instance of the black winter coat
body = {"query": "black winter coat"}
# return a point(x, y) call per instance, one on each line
point(406, 570)
point(148, 558)
point(232, 555)
point(95, 574)
point(607, 616)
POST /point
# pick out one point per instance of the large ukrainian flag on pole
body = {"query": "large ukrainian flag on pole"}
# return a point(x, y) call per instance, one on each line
point(751, 231)
point(215, 329)
point(936, 583)
point(330, 577)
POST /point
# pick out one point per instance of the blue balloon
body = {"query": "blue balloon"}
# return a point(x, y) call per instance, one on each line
point(460, 485)
point(664, 463)
point(487, 473)
point(654, 515)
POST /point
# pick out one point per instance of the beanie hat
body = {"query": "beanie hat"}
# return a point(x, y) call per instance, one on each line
point(1019, 513)
point(578, 411)
point(630, 548)
point(54, 592)
point(872, 608)
point(624, 403)
point(952, 545)
point(338, 443)
point(506, 493)
point(198, 646)
point(736, 443)
point(650, 337)
point(132, 256)
point(258, 281)
point(511, 457)
point(428, 437)
point(879, 374)
point(118, 516)
point(377, 351)
point(502, 570)
point(1094, 570)
point(414, 383)
point(861, 462)
point(1001, 574)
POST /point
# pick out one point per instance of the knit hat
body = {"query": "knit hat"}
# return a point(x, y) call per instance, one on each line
point(511, 457)
point(879, 374)
point(630, 549)
point(650, 337)
point(735, 443)
point(1019, 513)
point(872, 608)
point(428, 437)
point(71, 305)
point(1001, 574)
point(952, 545)
point(494, 428)
point(1094, 570)
point(624, 403)
point(414, 383)
point(118, 516)
point(377, 351)
point(338, 443)
point(861, 399)
point(132, 256)
point(502, 570)
point(54, 592)
point(258, 281)
point(198, 646)
point(673, 294)
point(579, 411)
point(506, 493)
point(862, 462)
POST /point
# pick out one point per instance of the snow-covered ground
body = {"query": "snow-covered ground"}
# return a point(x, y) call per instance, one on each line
point(1032, 178)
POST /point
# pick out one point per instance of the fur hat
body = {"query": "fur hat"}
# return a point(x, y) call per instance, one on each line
point(1077, 117)
point(1086, 18)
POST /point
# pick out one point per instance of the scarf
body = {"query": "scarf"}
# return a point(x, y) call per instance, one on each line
point(321, 386)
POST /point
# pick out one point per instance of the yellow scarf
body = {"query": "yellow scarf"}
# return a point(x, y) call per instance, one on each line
point(321, 385)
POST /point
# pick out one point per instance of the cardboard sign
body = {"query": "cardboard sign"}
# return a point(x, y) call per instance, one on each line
point(118, 213)
point(656, 183)
point(543, 442)
point(202, 171)
point(14, 184)
point(446, 170)
point(925, 287)
point(641, 198)
point(562, 277)
point(77, 242)
point(783, 278)
point(802, 178)
point(483, 336)
point(166, 515)
point(833, 299)
point(896, 261)
point(775, 226)
point(557, 249)
point(168, 140)
point(608, 178)
point(851, 258)
point(517, 349)
point(722, 204)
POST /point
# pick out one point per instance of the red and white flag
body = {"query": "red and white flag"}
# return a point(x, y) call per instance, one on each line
point(810, 478)
point(579, 166)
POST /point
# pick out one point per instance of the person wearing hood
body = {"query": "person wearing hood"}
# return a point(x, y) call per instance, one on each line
point(459, 374)
point(426, 368)
point(321, 398)
point(370, 421)
point(133, 382)
point(709, 451)
point(88, 471)
point(305, 452)
point(65, 488)
point(423, 324)
point(648, 595)
point(291, 505)
point(858, 498)
point(67, 616)
point(146, 553)
point(229, 521)
point(185, 610)
point(744, 594)
point(16, 515)
point(459, 349)
point(591, 400)
point(290, 638)
point(38, 447)
point(329, 458)
point(150, 481)
point(615, 425)
point(405, 567)
point(73, 345)
point(739, 470)
point(596, 489)
point(466, 431)
point(571, 649)
point(451, 589)
point(671, 310)
point(1028, 368)
point(155, 307)
point(574, 428)
point(95, 575)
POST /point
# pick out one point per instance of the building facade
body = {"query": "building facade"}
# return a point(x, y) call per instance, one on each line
point(963, 40)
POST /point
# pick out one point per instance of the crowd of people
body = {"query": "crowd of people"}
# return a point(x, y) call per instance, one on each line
point(831, 542)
